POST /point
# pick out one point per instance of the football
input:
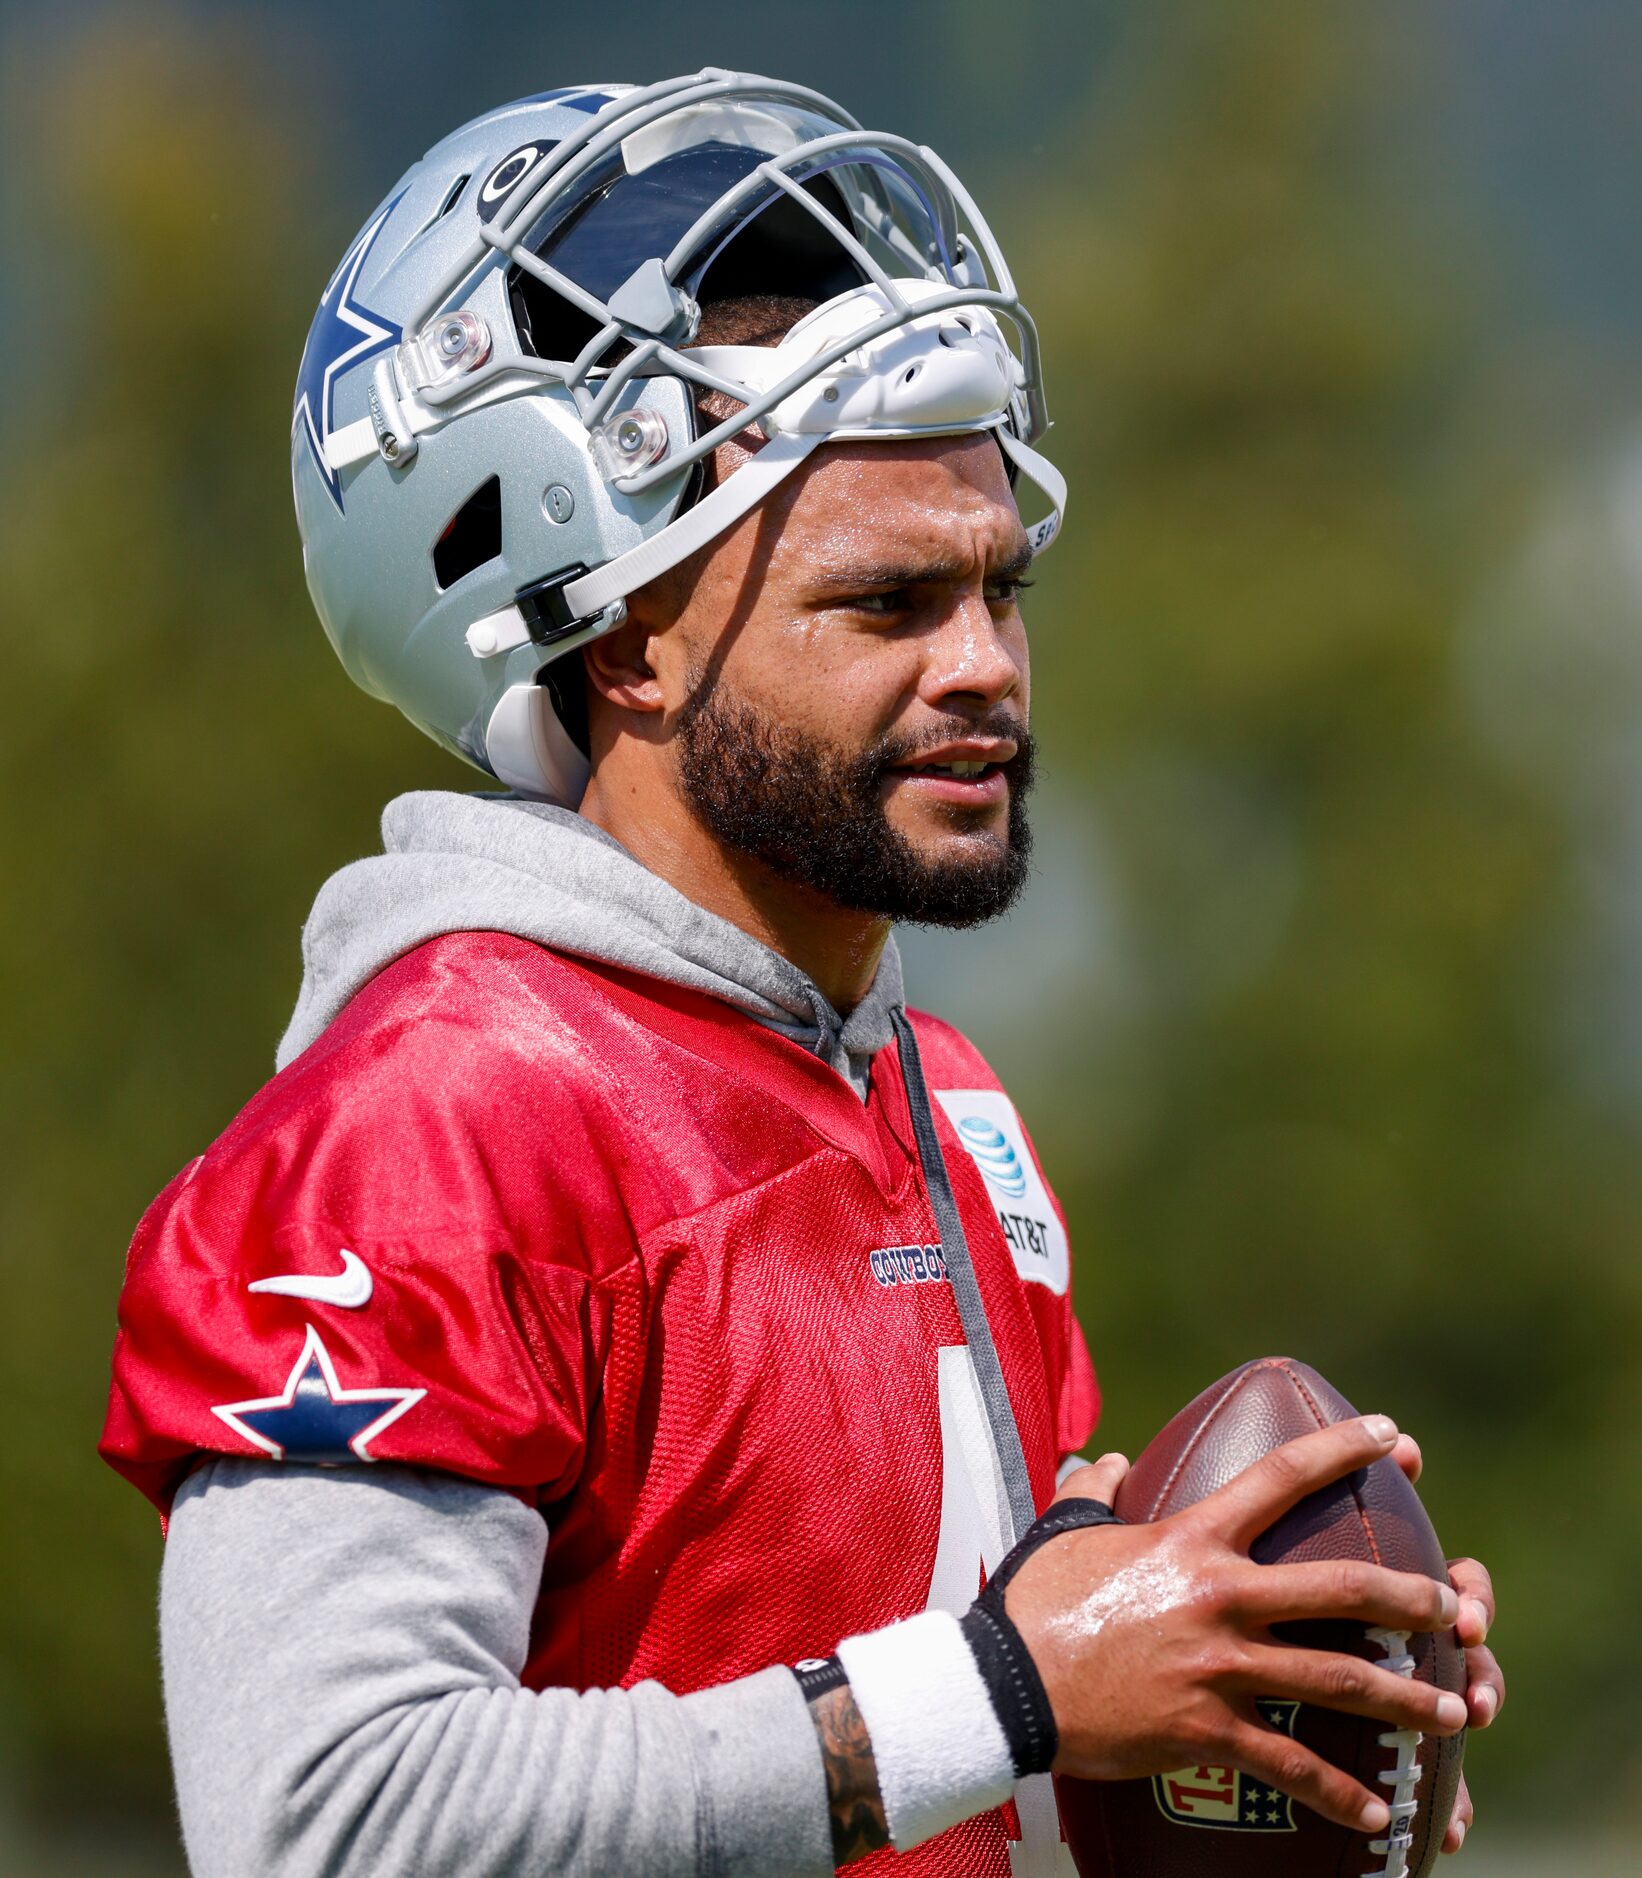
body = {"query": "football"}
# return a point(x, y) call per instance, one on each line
point(1198, 1821)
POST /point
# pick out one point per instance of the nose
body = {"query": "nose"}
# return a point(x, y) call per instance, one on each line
point(974, 660)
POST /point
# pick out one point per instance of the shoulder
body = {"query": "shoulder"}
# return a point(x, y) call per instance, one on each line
point(478, 1038)
point(397, 1250)
point(453, 1001)
point(429, 1114)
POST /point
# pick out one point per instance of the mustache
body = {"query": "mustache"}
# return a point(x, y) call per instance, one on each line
point(898, 748)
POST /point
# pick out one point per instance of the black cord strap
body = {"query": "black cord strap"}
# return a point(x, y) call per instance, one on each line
point(966, 1291)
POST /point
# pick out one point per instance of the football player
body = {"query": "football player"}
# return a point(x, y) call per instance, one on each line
point(588, 1387)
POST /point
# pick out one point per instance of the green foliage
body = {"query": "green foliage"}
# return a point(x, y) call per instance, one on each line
point(184, 762)
point(1313, 1104)
point(1347, 1132)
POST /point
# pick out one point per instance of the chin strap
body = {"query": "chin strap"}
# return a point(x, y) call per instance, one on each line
point(592, 602)
point(1037, 469)
point(750, 484)
point(711, 517)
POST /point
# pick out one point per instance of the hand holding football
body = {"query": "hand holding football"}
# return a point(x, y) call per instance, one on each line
point(1153, 1640)
point(1352, 1691)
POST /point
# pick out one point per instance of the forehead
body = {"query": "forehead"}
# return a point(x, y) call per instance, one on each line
point(942, 496)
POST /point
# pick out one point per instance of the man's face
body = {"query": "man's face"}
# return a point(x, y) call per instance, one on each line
point(851, 671)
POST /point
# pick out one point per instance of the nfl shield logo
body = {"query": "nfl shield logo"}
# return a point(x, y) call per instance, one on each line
point(1224, 1797)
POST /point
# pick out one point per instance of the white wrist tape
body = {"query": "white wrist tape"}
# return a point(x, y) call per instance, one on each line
point(940, 1751)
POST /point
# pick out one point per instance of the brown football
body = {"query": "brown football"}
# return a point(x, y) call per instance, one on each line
point(1214, 1822)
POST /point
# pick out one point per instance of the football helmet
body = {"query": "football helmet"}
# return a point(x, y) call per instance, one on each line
point(496, 440)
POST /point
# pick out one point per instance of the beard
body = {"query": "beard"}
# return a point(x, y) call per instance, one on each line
point(815, 815)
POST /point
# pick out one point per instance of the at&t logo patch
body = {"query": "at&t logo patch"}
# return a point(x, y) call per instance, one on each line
point(1225, 1798)
point(994, 1155)
point(991, 1132)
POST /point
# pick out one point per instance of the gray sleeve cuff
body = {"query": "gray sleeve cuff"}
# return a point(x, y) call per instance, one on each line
point(760, 1762)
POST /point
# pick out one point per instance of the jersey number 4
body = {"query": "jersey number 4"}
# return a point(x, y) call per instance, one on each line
point(974, 1525)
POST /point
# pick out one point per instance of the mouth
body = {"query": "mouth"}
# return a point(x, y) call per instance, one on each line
point(966, 776)
point(964, 770)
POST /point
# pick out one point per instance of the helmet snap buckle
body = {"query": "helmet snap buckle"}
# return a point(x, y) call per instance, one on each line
point(629, 443)
point(447, 348)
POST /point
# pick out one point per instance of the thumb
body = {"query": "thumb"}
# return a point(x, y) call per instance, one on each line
point(1097, 1482)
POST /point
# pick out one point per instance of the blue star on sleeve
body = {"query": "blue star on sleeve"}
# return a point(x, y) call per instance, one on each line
point(345, 332)
point(315, 1419)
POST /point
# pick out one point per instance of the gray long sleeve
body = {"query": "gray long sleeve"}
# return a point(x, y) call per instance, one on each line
point(341, 1655)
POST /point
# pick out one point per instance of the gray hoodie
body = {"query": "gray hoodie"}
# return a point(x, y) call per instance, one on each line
point(342, 1647)
point(456, 863)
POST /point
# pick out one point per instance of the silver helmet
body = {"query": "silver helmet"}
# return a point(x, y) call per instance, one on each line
point(496, 437)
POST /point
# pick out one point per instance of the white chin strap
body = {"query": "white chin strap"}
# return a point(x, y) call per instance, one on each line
point(748, 486)
point(711, 517)
point(594, 594)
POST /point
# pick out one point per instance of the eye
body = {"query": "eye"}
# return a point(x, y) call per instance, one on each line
point(1006, 592)
point(883, 605)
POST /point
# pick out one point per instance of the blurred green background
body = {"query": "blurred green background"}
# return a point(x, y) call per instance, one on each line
point(1326, 1007)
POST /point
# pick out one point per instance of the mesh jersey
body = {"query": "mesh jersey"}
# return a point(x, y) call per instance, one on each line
point(620, 1249)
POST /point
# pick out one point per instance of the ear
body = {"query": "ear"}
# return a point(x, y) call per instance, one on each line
point(619, 671)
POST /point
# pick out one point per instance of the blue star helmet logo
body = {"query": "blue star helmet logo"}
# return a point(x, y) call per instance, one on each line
point(314, 1419)
point(344, 333)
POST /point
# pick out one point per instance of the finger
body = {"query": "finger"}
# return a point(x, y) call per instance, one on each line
point(1099, 1481)
point(1408, 1457)
point(1242, 1509)
point(1476, 1589)
point(1459, 1823)
point(1485, 1695)
point(1327, 1679)
point(1372, 1594)
point(1285, 1764)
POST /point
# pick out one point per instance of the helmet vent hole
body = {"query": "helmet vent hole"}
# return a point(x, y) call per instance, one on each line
point(909, 374)
point(453, 197)
point(472, 536)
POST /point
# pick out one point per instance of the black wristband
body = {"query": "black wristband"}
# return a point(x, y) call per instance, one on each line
point(817, 1675)
point(1012, 1681)
point(1011, 1677)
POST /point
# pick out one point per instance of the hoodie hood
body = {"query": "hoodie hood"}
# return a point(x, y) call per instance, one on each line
point(460, 863)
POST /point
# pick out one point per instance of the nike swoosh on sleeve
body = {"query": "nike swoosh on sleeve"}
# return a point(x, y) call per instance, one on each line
point(350, 1288)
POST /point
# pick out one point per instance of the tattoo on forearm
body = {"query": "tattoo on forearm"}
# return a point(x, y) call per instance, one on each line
point(856, 1805)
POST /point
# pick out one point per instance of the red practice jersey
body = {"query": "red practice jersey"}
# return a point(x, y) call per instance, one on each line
point(621, 1250)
